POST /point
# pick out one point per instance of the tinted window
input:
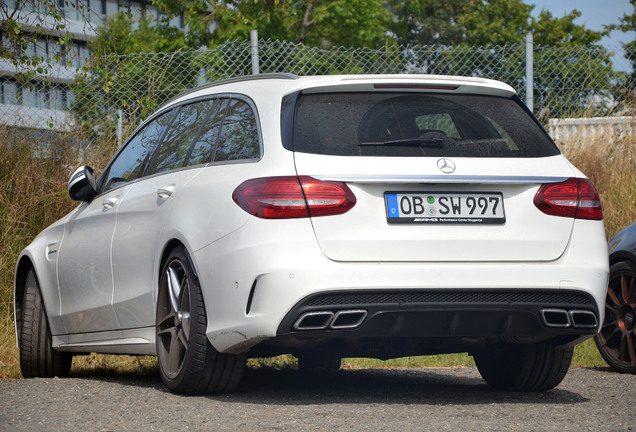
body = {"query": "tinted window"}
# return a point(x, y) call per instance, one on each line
point(389, 124)
point(239, 134)
point(130, 163)
point(204, 144)
point(175, 146)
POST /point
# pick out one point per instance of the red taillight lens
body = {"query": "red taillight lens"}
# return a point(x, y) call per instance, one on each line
point(293, 197)
point(575, 198)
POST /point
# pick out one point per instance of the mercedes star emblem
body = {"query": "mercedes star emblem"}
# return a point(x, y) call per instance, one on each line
point(446, 166)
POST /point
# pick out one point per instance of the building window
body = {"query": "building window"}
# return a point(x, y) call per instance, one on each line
point(9, 93)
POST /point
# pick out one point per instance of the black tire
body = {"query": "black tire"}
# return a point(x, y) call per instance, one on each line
point(309, 363)
point(524, 367)
point(38, 359)
point(617, 339)
point(187, 361)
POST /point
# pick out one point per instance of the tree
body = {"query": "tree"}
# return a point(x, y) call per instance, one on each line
point(429, 21)
point(121, 35)
point(322, 23)
point(136, 67)
point(627, 24)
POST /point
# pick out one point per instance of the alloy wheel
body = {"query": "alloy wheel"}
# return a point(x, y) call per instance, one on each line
point(173, 319)
point(617, 338)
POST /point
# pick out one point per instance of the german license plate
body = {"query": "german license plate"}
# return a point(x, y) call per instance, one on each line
point(445, 208)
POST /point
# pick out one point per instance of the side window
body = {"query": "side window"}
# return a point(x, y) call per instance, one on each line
point(205, 142)
point(239, 134)
point(174, 148)
point(129, 164)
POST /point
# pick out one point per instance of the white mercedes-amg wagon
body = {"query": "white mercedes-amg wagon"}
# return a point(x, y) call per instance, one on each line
point(324, 217)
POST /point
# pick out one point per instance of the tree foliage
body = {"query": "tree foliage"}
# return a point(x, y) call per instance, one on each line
point(628, 24)
point(489, 32)
point(322, 23)
point(45, 17)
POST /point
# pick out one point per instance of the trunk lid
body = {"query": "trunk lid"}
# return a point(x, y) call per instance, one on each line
point(365, 234)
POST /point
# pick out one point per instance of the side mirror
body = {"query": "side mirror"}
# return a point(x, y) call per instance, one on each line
point(82, 185)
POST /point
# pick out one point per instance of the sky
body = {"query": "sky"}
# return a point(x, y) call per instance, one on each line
point(594, 14)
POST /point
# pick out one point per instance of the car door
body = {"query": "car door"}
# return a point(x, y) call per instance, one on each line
point(84, 271)
point(85, 278)
point(183, 152)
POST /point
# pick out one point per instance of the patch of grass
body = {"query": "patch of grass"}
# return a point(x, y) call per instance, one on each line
point(610, 163)
point(105, 365)
point(586, 355)
point(440, 360)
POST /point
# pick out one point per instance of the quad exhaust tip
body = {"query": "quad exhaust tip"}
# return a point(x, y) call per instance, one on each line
point(573, 318)
point(321, 320)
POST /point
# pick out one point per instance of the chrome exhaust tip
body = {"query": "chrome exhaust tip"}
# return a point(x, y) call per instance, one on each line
point(555, 317)
point(319, 320)
point(348, 319)
point(583, 319)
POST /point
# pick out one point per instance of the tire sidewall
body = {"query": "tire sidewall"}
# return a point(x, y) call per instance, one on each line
point(617, 270)
point(194, 360)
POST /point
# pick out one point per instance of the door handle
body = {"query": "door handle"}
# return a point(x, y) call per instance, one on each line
point(109, 203)
point(165, 192)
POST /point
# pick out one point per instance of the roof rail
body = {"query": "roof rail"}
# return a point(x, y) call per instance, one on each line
point(231, 80)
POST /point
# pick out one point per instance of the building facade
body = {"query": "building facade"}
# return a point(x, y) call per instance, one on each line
point(44, 102)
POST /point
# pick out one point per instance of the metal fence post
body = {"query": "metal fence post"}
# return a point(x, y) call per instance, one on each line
point(254, 44)
point(529, 77)
point(120, 127)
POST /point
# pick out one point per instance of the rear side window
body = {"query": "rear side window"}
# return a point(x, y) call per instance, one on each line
point(390, 124)
point(173, 151)
point(239, 133)
point(205, 143)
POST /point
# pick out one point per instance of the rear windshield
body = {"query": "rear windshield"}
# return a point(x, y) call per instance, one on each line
point(408, 124)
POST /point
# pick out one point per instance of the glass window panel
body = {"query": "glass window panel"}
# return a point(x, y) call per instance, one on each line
point(9, 93)
point(174, 148)
point(40, 50)
point(30, 49)
point(56, 100)
point(96, 7)
point(28, 96)
point(111, 7)
point(41, 93)
point(203, 147)
point(130, 163)
point(152, 14)
point(447, 125)
point(70, 97)
point(239, 134)
point(175, 21)
point(55, 51)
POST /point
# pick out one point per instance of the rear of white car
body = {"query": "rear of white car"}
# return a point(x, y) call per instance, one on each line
point(326, 217)
point(443, 219)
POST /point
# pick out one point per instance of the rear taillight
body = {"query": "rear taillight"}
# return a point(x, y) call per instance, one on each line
point(293, 197)
point(575, 198)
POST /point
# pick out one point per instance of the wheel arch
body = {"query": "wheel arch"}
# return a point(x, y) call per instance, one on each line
point(620, 257)
point(169, 247)
point(22, 270)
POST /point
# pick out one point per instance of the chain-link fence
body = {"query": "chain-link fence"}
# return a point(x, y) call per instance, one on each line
point(110, 93)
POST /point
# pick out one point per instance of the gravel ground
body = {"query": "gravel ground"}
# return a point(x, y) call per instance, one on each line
point(349, 400)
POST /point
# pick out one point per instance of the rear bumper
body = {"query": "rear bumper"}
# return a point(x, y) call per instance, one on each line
point(435, 313)
point(462, 319)
point(255, 296)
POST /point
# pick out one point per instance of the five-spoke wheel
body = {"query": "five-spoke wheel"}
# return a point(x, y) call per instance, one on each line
point(188, 363)
point(173, 318)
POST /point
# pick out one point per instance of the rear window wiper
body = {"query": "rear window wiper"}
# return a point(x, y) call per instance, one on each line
point(408, 142)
